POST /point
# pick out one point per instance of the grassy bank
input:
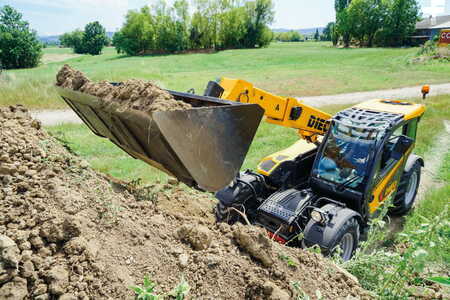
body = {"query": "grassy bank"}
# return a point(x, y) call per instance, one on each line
point(291, 69)
point(404, 267)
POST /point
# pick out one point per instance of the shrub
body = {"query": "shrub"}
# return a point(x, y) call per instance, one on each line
point(19, 46)
point(94, 38)
point(90, 41)
point(147, 290)
point(391, 272)
point(73, 40)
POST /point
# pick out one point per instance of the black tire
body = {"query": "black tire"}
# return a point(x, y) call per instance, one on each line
point(224, 214)
point(347, 238)
point(407, 191)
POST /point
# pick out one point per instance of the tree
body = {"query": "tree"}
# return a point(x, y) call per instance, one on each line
point(19, 46)
point(213, 24)
point(327, 33)
point(366, 18)
point(260, 13)
point(317, 35)
point(138, 33)
point(343, 25)
point(73, 40)
point(400, 23)
point(340, 5)
point(94, 38)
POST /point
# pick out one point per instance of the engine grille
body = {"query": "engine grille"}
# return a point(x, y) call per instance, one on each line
point(286, 205)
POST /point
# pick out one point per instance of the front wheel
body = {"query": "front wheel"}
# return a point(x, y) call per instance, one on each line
point(344, 242)
point(225, 214)
point(407, 191)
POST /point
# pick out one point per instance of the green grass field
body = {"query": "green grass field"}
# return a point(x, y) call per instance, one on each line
point(290, 69)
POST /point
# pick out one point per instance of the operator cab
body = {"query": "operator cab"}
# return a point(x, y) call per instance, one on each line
point(359, 144)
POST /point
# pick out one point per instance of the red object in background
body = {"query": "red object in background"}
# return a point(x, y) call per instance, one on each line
point(444, 37)
point(276, 238)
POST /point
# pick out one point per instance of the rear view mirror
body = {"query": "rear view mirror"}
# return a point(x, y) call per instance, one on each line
point(401, 147)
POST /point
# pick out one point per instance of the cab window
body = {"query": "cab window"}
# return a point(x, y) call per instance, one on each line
point(384, 164)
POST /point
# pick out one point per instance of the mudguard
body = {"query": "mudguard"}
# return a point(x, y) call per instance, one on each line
point(325, 235)
point(412, 160)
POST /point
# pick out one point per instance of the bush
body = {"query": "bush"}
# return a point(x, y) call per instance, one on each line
point(90, 41)
point(94, 38)
point(19, 46)
point(428, 49)
point(73, 40)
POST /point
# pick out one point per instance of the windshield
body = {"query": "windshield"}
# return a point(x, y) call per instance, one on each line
point(345, 155)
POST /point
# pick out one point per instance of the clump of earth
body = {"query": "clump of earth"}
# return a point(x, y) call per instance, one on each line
point(68, 232)
point(130, 94)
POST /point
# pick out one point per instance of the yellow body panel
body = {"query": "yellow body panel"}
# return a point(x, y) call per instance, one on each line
point(407, 109)
point(385, 188)
point(290, 153)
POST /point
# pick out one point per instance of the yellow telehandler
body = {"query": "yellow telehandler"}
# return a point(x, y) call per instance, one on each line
point(323, 190)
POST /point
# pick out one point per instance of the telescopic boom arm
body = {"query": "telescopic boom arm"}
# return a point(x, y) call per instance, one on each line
point(288, 112)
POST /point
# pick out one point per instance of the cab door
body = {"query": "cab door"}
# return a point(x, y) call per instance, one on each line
point(390, 164)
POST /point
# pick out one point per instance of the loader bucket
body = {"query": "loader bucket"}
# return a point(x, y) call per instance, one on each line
point(203, 147)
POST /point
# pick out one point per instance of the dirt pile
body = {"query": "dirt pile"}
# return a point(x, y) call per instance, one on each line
point(67, 232)
point(131, 94)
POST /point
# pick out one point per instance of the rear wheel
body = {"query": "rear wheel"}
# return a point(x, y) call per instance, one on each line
point(407, 191)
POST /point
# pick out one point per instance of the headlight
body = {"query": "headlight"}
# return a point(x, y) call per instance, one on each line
point(319, 216)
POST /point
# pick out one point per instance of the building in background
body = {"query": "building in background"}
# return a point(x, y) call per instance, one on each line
point(429, 27)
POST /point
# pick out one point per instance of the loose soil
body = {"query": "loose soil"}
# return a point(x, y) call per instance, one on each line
point(67, 232)
point(131, 94)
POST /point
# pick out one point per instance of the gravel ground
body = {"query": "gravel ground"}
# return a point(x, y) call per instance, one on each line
point(54, 117)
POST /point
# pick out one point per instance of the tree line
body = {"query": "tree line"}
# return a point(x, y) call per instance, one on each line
point(370, 23)
point(296, 36)
point(289, 36)
point(209, 24)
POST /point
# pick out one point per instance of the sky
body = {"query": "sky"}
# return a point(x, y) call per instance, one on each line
point(52, 17)
point(435, 7)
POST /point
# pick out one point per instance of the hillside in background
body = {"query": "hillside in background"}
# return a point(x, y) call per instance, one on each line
point(306, 31)
point(54, 39)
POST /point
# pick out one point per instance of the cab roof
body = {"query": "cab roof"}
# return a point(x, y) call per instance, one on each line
point(408, 110)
